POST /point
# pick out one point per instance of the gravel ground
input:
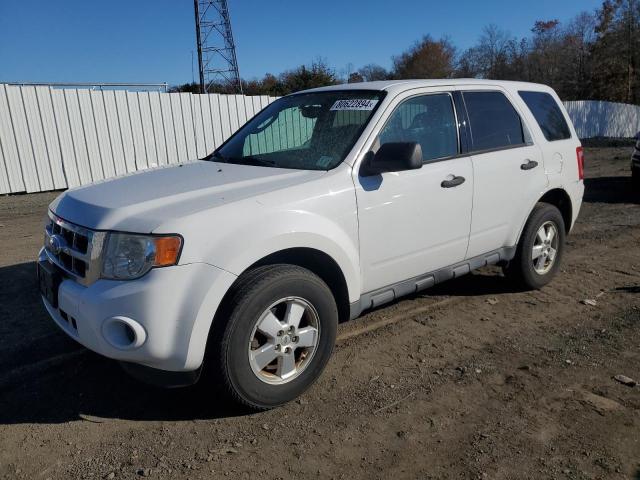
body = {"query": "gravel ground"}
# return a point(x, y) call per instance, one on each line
point(473, 379)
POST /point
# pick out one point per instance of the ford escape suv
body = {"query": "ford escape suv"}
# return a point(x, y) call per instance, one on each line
point(235, 269)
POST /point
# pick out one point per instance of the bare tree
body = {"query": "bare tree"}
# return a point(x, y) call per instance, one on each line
point(428, 58)
point(579, 38)
point(492, 52)
point(469, 64)
point(373, 72)
point(616, 51)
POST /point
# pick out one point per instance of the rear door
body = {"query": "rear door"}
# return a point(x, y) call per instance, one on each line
point(508, 170)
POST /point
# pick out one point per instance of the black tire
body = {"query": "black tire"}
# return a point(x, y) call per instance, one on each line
point(635, 176)
point(521, 268)
point(227, 363)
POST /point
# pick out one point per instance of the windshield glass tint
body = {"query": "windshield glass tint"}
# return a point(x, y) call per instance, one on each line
point(313, 131)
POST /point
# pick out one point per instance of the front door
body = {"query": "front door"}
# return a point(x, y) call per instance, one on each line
point(416, 221)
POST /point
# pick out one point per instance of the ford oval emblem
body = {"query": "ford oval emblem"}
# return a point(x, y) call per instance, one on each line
point(56, 244)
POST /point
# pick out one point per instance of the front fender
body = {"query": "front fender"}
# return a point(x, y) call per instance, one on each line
point(238, 249)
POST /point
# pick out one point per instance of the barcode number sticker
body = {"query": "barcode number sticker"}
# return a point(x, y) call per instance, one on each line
point(354, 104)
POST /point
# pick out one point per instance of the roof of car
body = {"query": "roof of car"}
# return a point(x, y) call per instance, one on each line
point(396, 86)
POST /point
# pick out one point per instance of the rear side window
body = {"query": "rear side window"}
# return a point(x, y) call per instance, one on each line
point(494, 122)
point(548, 115)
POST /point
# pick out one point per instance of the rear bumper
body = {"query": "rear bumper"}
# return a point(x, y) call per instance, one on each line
point(576, 192)
point(169, 310)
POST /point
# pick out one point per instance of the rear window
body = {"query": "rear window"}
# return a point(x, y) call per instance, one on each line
point(548, 115)
point(494, 122)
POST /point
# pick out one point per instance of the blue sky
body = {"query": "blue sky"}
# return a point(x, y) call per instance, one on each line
point(153, 40)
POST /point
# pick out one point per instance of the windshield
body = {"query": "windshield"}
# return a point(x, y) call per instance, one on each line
point(309, 131)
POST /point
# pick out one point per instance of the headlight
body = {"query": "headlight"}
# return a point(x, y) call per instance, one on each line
point(129, 256)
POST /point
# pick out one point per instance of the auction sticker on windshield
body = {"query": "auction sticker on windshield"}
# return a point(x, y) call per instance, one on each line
point(354, 104)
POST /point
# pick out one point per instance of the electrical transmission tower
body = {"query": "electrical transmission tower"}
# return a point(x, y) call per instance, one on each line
point(216, 50)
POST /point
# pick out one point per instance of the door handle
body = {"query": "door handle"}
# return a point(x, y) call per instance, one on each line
point(452, 182)
point(531, 164)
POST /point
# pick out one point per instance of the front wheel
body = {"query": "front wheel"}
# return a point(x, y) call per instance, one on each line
point(277, 338)
point(540, 249)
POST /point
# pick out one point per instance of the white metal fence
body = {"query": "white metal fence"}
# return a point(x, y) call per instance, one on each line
point(54, 139)
point(604, 119)
point(58, 138)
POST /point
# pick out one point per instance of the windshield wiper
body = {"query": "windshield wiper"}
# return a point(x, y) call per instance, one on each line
point(217, 156)
point(251, 161)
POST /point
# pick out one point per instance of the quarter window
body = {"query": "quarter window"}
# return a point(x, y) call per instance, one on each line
point(428, 120)
point(548, 115)
point(494, 122)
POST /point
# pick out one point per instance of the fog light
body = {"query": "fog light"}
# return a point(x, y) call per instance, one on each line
point(123, 333)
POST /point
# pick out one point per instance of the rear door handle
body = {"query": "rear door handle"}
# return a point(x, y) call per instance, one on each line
point(531, 164)
point(452, 182)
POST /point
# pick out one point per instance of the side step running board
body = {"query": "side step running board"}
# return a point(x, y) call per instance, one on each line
point(422, 282)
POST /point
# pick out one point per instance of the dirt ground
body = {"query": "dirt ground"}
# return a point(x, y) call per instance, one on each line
point(472, 379)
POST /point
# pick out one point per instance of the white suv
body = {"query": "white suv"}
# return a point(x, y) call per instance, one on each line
point(239, 266)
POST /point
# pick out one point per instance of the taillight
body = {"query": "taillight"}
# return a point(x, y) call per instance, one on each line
point(580, 158)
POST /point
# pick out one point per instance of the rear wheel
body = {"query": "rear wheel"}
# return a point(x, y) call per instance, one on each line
point(277, 338)
point(540, 250)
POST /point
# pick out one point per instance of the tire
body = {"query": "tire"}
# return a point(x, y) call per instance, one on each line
point(247, 334)
point(530, 273)
point(635, 176)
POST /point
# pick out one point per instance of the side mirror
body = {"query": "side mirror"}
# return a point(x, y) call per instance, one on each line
point(392, 157)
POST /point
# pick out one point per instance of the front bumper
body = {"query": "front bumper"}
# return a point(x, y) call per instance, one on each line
point(170, 310)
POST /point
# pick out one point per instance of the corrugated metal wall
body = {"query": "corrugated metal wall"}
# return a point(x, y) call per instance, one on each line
point(604, 119)
point(57, 138)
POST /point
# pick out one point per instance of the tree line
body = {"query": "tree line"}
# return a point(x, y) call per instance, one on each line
point(593, 56)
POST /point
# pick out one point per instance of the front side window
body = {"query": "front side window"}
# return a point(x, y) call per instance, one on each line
point(428, 120)
point(494, 122)
point(309, 131)
point(548, 115)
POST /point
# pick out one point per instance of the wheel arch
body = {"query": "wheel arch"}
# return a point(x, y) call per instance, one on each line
point(314, 260)
point(560, 199)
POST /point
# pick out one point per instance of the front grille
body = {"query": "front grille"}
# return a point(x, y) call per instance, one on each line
point(71, 256)
point(75, 250)
point(77, 239)
point(69, 319)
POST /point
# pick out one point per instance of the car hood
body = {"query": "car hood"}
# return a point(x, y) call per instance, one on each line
point(142, 201)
